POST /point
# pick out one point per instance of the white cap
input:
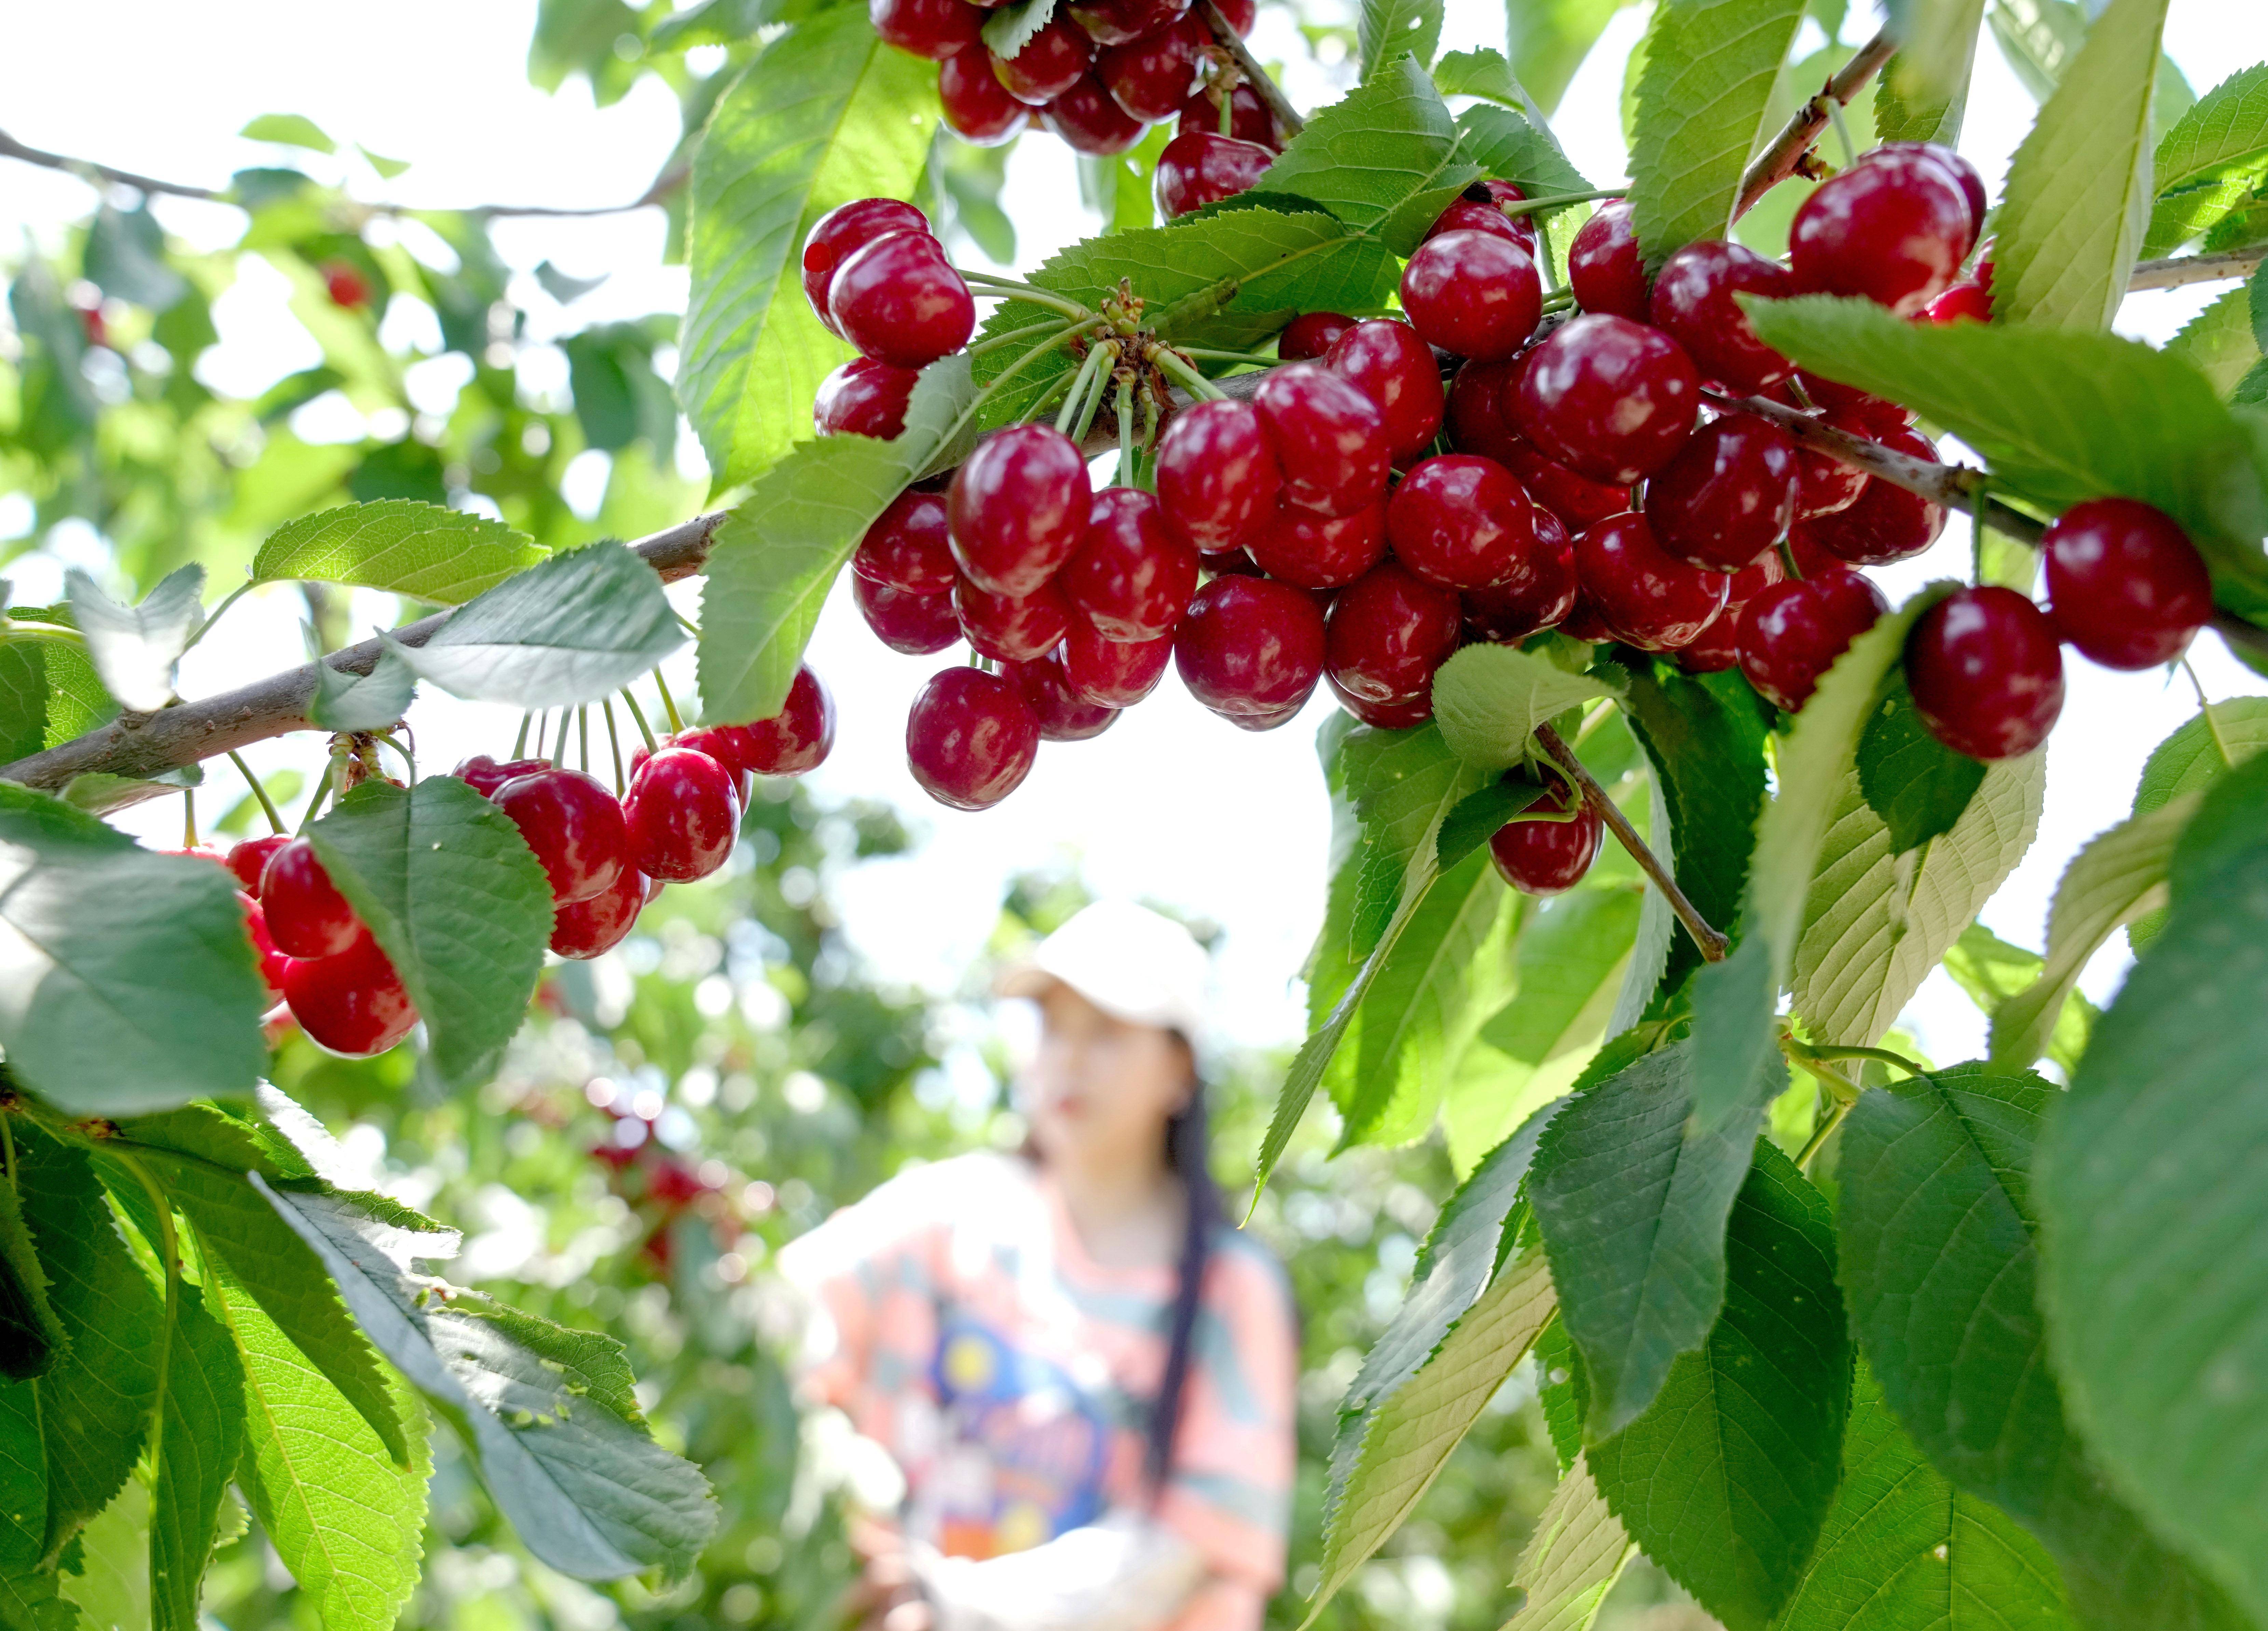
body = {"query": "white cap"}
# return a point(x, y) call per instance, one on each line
point(1132, 962)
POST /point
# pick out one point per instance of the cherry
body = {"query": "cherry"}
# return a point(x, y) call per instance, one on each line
point(796, 739)
point(1199, 168)
point(864, 398)
point(1608, 398)
point(1239, 15)
point(1388, 632)
point(347, 288)
point(1728, 495)
point(273, 963)
point(1311, 334)
point(1087, 121)
point(970, 738)
point(1475, 415)
point(1150, 78)
point(1329, 438)
point(900, 301)
point(1825, 485)
point(1549, 857)
point(1131, 576)
point(845, 230)
point(249, 859)
point(1893, 229)
point(1792, 632)
point(1872, 411)
point(2128, 587)
point(932, 28)
point(1693, 304)
point(1116, 674)
point(1473, 293)
point(1012, 627)
point(1400, 714)
point(1250, 648)
point(1962, 302)
point(587, 928)
point(1885, 522)
point(1236, 562)
point(1985, 674)
point(1217, 473)
point(351, 1002)
point(1583, 621)
point(1319, 551)
point(306, 914)
point(1646, 596)
point(916, 624)
point(1605, 267)
point(1963, 173)
point(1471, 215)
point(1542, 596)
point(1248, 118)
point(976, 106)
point(1461, 520)
point(1716, 648)
point(1117, 22)
point(682, 814)
point(907, 547)
point(98, 331)
point(1386, 362)
point(1017, 508)
point(1064, 715)
point(574, 826)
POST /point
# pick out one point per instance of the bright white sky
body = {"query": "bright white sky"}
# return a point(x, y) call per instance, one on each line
point(1172, 803)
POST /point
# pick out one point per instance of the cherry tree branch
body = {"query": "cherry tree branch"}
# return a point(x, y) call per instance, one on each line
point(1287, 117)
point(2195, 268)
point(1713, 945)
point(1787, 152)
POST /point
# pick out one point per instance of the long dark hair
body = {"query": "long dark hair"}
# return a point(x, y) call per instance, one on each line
point(1187, 1138)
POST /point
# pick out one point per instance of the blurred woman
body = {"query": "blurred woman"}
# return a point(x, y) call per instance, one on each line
point(1086, 1375)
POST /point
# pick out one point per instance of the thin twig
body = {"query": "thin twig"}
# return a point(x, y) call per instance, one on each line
point(1786, 152)
point(1713, 945)
point(2195, 268)
point(1287, 117)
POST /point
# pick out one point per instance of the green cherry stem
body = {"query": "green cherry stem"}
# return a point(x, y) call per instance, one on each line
point(1554, 200)
point(1198, 385)
point(274, 816)
point(214, 617)
point(668, 703)
point(638, 716)
point(188, 818)
point(1015, 289)
point(614, 741)
point(1081, 384)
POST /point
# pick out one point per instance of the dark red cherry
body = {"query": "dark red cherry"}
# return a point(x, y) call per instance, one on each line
point(845, 230)
point(1792, 633)
point(483, 775)
point(1248, 118)
point(1577, 500)
point(932, 28)
point(1824, 483)
point(1012, 627)
point(970, 738)
point(1198, 168)
point(1329, 438)
point(1086, 119)
point(1132, 576)
point(1062, 713)
point(306, 915)
point(248, 860)
point(1728, 495)
point(1400, 714)
point(796, 739)
point(1583, 621)
point(1985, 673)
point(588, 928)
point(1886, 523)
point(1963, 173)
point(1473, 293)
point(1117, 22)
point(1716, 648)
point(273, 963)
point(1872, 411)
point(1386, 362)
point(1963, 302)
point(1693, 304)
point(1610, 399)
point(1017, 508)
point(907, 547)
point(1239, 15)
point(1485, 215)
point(1250, 646)
point(574, 826)
point(2128, 587)
point(976, 106)
point(351, 1002)
point(1388, 633)
point(1892, 230)
point(1476, 415)
point(1217, 473)
point(864, 398)
point(1319, 551)
point(1461, 520)
point(1311, 334)
point(1233, 562)
point(916, 624)
point(1605, 267)
point(1548, 857)
point(1150, 78)
point(1540, 597)
point(347, 289)
point(900, 301)
point(1116, 674)
point(1052, 61)
point(1646, 596)
point(682, 812)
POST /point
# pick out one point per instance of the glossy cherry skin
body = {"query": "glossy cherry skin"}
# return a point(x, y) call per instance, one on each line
point(248, 860)
point(1468, 214)
point(1132, 576)
point(1311, 334)
point(1693, 304)
point(1012, 627)
point(1610, 399)
point(1150, 78)
point(1549, 857)
point(682, 812)
point(932, 29)
point(1892, 230)
point(1217, 473)
point(1473, 293)
point(573, 824)
point(1329, 438)
point(1117, 22)
point(589, 928)
point(1540, 598)
point(1477, 416)
point(1386, 362)
point(1062, 715)
point(901, 302)
point(916, 624)
point(1646, 596)
point(1319, 551)
point(1460, 521)
point(1250, 646)
point(306, 915)
point(970, 738)
point(483, 775)
point(1584, 623)
point(1985, 673)
point(1871, 411)
point(1088, 119)
point(1199, 168)
point(272, 963)
point(1116, 674)
point(1248, 118)
point(1400, 714)
point(1963, 302)
point(2128, 587)
point(1239, 15)
point(845, 230)
point(1825, 485)
point(976, 105)
point(1052, 61)
point(1792, 632)
point(1715, 649)
point(908, 546)
point(351, 1002)
point(1963, 173)
point(796, 739)
point(1605, 267)
point(1885, 522)
point(1017, 508)
point(864, 398)
point(1388, 632)
point(1728, 496)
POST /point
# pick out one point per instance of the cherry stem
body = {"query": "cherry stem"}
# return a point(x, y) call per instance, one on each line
point(1199, 386)
point(583, 736)
point(274, 816)
point(1805, 1053)
point(1823, 1132)
point(1553, 200)
point(188, 818)
point(614, 741)
point(1081, 385)
point(1786, 151)
point(213, 616)
point(1713, 946)
point(638, 716)
point(1016, 288)
point(668, 704)
point(406, 758)
point(1050, 327)
point(1253, 357)
point(1287, 116)
point(1125, 475)
point(323, 791)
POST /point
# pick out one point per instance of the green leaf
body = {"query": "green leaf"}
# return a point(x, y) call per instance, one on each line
point(372, 702)
point(1914, 782)
point(77, 702)
point(1474, 818)
point(2218, 342)
point(108, 1578)
point(1008, 30)
point(134, 648)
point(1483, 73)
point(24, 1475)
point(125, 257)
point(30, 1334)
point(1926, 86)
point(126, 979)
point(1704, 105)
point(1577, 1552)
point(23, 697)
point(202, 1415)
point(1489, 699)
point(1727, 1479)
point(825, 114)
point(571, 629)
point(1404, 787)
point(1992, 971)
point(1571, 950)
point(457, 901)
point(1632, 1203)
point(399, 545)
point(2078, 193)
point(1509, 148)
point(1383, 159)
point(2211, 162)
point(1549, 39)
point(1386, 29)
point(2222, 736)
point(290, 129)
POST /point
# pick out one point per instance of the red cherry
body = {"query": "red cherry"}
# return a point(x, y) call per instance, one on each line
point(1386, 362)
point(273, 963)
point(1012, 627)
point(587, 928)
point(2129, 590)
point(249, 859)
point(845, 230)
point(916, 624)
point(1248, 118)
point(1329, 438)
point(1017, 508)
point(907, 547)
point(683, 814)
point(1963, 302)
point(1892, 230)
point(1400, 714)
point(1217, 473)
point(796, 739)
point(1311, 334)
point(1963, 173)
point(1150, 78)
point(1608, 398)
point(1116, 674)
point(1646, 596)
point(1548, 857)
point(1231, 563)
point(1473, 293)
point(351, 1002)
point(1584, 623)
point(976, 106)
point(1792, 633)
point(970, 738)
point(1250, 648)
point(1462, 521)
point(1087, 121)
point(1199, 168)
point(573, 825)
point(306, 914)
point(1388, 632)
point(1062, 715)
point(864, 398)
point(1318, 552)
point(1577, 500)
point(1541, 596)
point(483, 775)
point(1477, 418)
point(900, 301)
point(1825, 485)
point(1876, 414)
point(1605, 267)
point(1728, 497)
point(932, 28)
point(1886, 523)
point(1715, 649)
point(98, 331)
point(1239, 15)
point(347, 288)
point(1131, 576)
point(1693, 304)
point(1985, 674)
point(1117, 22)
point(1468, 215)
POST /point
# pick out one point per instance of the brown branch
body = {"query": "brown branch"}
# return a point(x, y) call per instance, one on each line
point(1713, 946)
point(1786, 151)
point(2195, 268)
point(1287, 117)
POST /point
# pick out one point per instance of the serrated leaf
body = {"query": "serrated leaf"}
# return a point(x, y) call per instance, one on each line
point(2209, 163)
point(134, 648)
point(457, 901)
point(1917, 785)
point(126, 979)
point(106, 1574)
point(571, 629)
point(2078, 194)
point(290, 129)
point(1483, 73)
point(1549, 39)
point(1489, 699)
point(30, 1334)
point(372, 702)
point(1926, 83)
point(399, 545)
point(1578, 1551)
point(1010, 28)
point(1403, 787)
point(1570, 949)
point(1704, 103)
point(1475, 817)
point(1383, 159)
point(23, 697)
point(24, 1513)
point(825, 114)
point(2218, 342)
point(1385, 29)
point(2222, 737)
point(1508, 147)
point(201, 1416)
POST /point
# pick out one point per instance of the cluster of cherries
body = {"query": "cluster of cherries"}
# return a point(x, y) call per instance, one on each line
point(604, 859)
